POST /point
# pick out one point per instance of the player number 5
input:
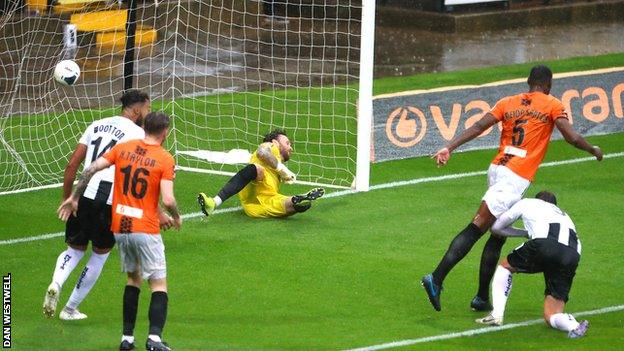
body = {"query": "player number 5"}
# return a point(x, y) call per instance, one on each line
point(518, 132)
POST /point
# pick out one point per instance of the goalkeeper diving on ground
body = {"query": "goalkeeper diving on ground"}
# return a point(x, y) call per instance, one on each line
point(258, 183)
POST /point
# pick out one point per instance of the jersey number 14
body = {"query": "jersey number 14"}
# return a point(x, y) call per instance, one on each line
point(96, 145)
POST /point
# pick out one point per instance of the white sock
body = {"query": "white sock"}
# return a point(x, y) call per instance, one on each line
point(88, 277)
point(501, 287)
point(128, 338)
point(155, 338)
point(65, 264)
point(217, 200)
point(563, 321)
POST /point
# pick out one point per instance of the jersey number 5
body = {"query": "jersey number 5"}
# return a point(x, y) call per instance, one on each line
point(518, 132)
point(139, 183)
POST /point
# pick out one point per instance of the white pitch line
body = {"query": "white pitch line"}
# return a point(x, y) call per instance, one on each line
point(478, 331)
point(471, 174)
point(342, 193)
point(57, 234)
point(31, 238)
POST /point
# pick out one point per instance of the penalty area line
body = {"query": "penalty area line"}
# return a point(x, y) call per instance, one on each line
point(341, 193)
point(472, 332)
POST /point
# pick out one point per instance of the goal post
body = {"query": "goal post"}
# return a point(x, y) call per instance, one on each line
point(227, 71)
point(365, 100)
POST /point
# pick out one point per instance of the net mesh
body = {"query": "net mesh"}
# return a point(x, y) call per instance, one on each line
point(227, 71)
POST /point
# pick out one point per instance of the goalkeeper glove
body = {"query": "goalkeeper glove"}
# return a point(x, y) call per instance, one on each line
point(286, 175)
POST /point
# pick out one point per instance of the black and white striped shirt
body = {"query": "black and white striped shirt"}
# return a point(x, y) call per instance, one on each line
point(542, 220)
point(100, 137)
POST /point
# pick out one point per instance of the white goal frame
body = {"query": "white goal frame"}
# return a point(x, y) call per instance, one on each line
point(356, 163)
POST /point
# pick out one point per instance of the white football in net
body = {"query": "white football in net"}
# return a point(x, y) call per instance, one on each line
point(66, 72)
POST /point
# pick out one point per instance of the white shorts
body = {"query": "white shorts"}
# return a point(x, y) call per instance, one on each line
point(144, 253)
point(505, 188)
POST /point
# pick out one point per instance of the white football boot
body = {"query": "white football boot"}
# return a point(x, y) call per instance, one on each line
point(490, 320)
point(51, 299)
point(68, 314)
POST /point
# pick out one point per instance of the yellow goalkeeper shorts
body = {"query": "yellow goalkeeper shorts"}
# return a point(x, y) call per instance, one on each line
point(260, 199)
point(267, 207)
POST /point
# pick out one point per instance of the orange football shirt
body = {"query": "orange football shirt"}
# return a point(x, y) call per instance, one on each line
point(139, 168)
point(528, 120)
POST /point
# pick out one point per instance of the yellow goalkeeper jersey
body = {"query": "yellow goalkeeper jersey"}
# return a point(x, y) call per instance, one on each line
point(262, 198)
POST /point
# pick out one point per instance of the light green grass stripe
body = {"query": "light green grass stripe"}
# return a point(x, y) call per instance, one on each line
point(342, 193)
point(471, 174)
point(478, 331)
point(57, 234)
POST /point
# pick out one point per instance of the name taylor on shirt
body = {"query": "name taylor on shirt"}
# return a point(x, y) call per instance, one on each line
point(137, 159)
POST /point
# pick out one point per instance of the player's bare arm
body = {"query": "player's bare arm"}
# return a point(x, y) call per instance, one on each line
point(70, 205)
point(169, 201)
point(442, 156)
point(164, 219)
point(575, 139)
point(264, 153)
point(503, 226)
point(72, 168)
point(86, 176)
point(500, 228)
point(510, 232)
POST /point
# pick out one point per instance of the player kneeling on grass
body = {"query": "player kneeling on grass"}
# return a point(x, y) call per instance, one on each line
point(257, 184)
point(553, 249)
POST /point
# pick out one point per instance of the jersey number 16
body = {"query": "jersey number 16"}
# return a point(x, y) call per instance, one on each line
point(139, 183)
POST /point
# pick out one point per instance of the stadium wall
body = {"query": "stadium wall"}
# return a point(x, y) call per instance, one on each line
point(501, 19)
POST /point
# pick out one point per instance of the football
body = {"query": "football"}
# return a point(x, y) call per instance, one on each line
point(66, 72)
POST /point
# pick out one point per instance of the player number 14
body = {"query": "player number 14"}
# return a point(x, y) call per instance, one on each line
point(96, 146)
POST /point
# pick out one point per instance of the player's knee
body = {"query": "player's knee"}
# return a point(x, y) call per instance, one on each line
point(505, 264)
point(302, 206)
point(159, 284)
point(134, 279)
point(78, 247)
point(484, 218)
point(101, 251)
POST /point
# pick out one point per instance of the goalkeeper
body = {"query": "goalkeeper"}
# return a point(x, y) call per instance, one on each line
point(257, 184)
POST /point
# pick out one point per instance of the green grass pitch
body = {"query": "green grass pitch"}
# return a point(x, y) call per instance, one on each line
point(343, 275)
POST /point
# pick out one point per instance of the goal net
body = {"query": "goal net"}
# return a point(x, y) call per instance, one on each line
point(227, 71)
